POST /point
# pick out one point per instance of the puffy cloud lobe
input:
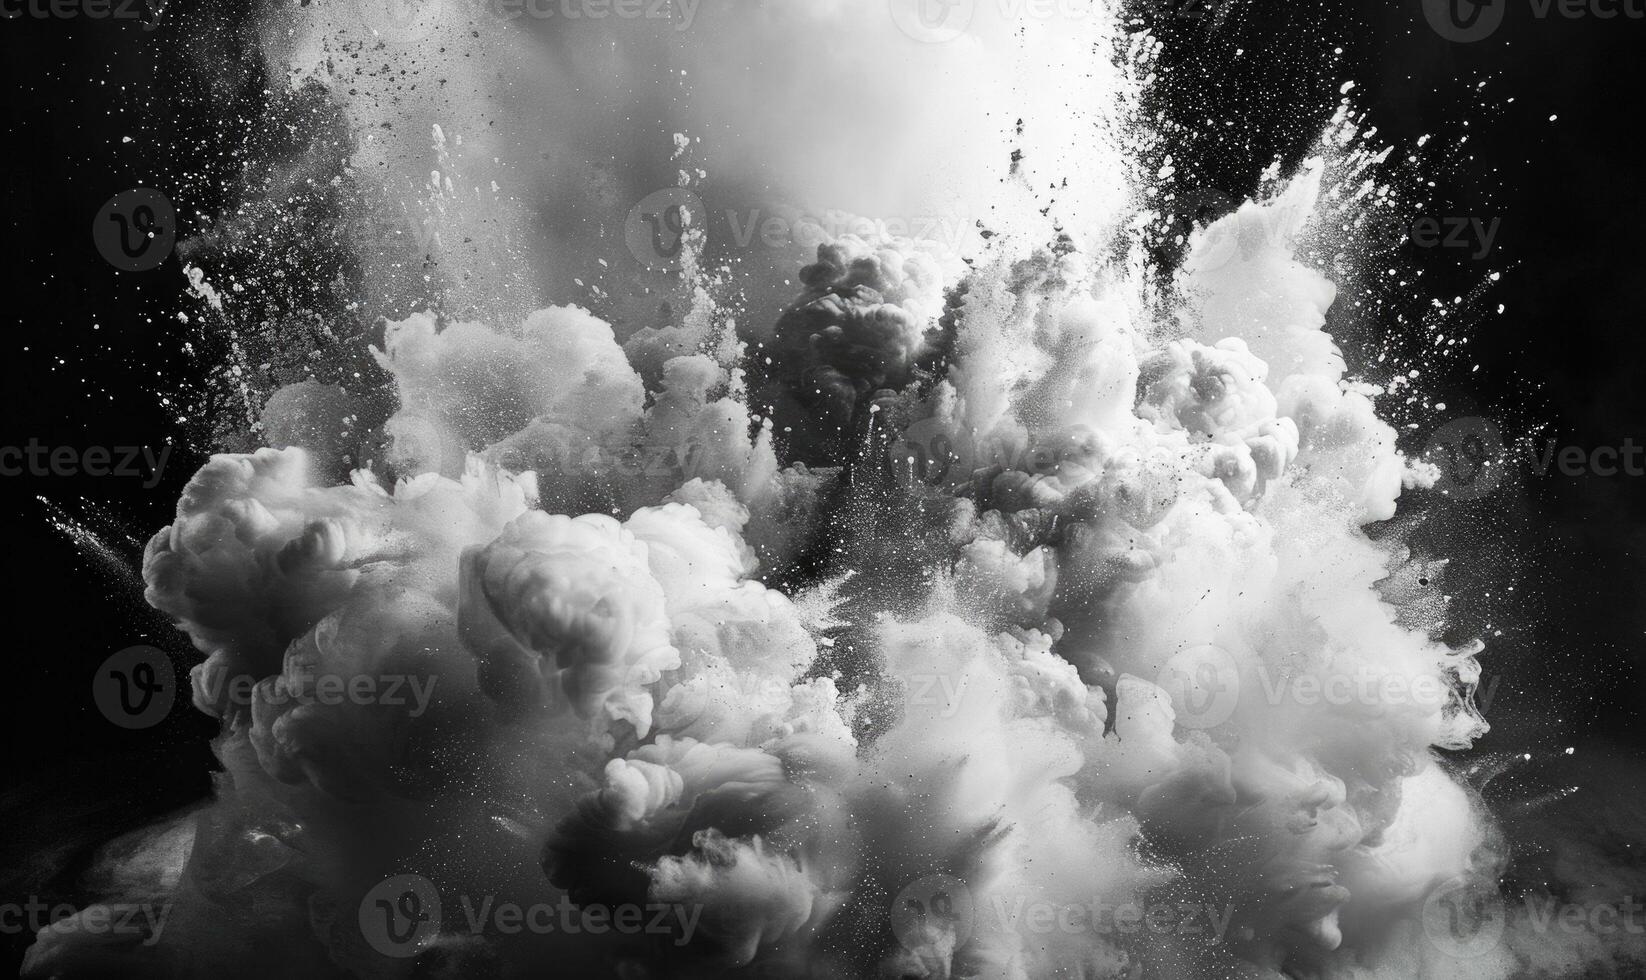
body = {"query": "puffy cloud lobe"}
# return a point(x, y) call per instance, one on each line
point(281, 583)
point(658, 797)
point(1206, 391)
point(1345, 445)
point(1244, 491)
point(1243, 279)
point(338, 713)
point(708, 436)
point(972, 784)
point(867, 318)
point(1007, 586)
point(750, 896)
point(558, 398)
point(577, 598)
point(255, 557)
point(465, 386)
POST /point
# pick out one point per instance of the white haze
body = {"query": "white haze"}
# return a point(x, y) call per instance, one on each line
point(815, 108)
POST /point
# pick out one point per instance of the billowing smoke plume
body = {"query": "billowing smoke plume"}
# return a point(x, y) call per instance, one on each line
point(999, 612)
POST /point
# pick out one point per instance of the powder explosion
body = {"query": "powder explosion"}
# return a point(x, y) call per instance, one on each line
point(1001, 607)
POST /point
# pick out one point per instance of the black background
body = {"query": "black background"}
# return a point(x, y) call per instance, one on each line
point(1548, 568)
